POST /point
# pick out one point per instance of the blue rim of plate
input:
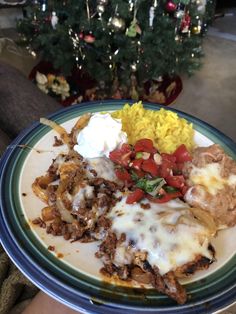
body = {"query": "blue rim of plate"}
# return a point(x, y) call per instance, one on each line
point(73, 288)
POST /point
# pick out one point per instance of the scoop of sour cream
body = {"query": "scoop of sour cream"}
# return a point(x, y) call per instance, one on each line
point(102, 135)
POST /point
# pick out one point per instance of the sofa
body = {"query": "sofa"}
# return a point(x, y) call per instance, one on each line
point(21, 103)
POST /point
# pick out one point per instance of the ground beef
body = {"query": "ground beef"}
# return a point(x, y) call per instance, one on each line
point(103, 222)
point(145, 206)
point(89, 222)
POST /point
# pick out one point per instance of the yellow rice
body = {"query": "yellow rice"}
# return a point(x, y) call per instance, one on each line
point(164, 127)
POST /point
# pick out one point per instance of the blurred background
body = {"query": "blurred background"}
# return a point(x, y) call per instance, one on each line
point(180, 53)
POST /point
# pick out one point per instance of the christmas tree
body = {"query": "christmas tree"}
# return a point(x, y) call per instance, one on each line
point(118, 42)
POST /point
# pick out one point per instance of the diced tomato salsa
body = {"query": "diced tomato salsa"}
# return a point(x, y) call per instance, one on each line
point(150, 174)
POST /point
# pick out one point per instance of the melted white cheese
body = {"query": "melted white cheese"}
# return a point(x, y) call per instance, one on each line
point(85, 192)
point(167, 232)
point(103, 166)
point(210, 177)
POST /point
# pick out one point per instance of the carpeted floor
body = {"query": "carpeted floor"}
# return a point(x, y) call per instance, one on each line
point(227, 24)
point(210, 94)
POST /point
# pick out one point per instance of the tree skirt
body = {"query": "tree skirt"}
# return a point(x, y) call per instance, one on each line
point(12, 2)
point(82, 87)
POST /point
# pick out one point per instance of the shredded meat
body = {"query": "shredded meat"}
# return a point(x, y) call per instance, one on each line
point(139, 269)
point(108, 246)
point(40, 222)
point(221, 205)
point(82, 204)
point(188, 269)
point(57, 141)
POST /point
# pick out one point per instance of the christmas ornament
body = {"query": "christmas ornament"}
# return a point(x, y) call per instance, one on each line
point(201, 6)
point(177, 37)
point(185, 23)
point(54, 20)
point(170, 6)
point(179, 13)
point(100, 9)
point(152, 12)
point(81, 35)
point(102, 2)
point(151, 16)
point(35, 23)
point(133, 30)
point(133, 67)
point(44, 5)
point(47, 19)
point(197, 28)
point(117, 23)
point(89, 39)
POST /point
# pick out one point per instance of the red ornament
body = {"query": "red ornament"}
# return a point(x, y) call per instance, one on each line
point(47, 19)
point(170, 6)
point(89, 39)
point(81, 35)
point(36, 29)
point(185, 23)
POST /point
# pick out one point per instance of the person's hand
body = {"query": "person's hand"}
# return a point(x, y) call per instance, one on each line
point(43, 304)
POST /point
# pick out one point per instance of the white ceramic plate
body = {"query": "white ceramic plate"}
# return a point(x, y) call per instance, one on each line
point(71, 273)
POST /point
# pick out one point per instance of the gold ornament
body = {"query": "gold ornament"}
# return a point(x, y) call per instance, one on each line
point(196, 29)
point(117, 23)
